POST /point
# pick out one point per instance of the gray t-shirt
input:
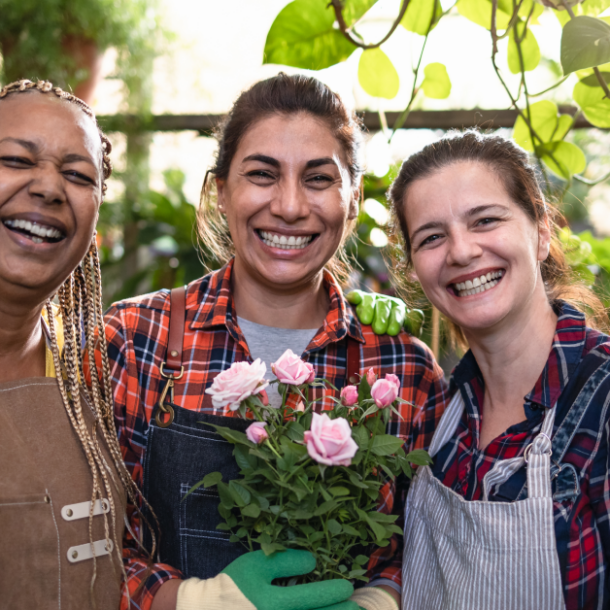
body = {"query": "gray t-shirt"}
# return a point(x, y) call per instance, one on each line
point(269, 343)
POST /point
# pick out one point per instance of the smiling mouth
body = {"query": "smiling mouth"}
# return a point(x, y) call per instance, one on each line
point(284, 242)
point(38, 233)
point(478, 284)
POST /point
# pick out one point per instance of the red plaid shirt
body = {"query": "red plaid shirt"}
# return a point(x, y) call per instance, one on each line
point(582, 524)
point(137, 331)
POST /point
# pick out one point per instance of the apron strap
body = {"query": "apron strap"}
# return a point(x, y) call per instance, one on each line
point(537, 456)
point(448, 424)
point(353, 361)
point(177, 316)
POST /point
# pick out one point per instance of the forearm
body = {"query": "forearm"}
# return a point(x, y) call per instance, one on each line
point(166, 596)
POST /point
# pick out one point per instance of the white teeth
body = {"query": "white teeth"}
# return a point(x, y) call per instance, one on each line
point(479, 284)
point(41, 231)
point(285, 243)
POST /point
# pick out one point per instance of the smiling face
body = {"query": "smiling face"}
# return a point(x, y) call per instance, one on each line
point(50, 192)
point(287, 199)
point(474, 250)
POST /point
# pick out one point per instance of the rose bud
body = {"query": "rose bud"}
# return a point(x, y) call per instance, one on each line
point(384, 393)
point(349, 395)
point(257, 433)
point(371, 377)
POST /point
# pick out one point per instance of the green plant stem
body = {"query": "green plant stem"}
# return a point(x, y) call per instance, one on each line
point(559, 82)
point(589, 182)
point(343, 27)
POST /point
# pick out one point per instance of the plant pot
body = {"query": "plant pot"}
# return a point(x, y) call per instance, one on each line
point(87, 65)
point(83, 71)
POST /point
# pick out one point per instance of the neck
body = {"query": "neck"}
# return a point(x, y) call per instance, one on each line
point(512, 358)
point(299, 307)
point(22, 352)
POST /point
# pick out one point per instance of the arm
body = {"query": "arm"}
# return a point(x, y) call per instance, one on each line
point(144, 579)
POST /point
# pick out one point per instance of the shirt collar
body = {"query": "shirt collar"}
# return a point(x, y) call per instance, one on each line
point(564, 357)
point(215, 307)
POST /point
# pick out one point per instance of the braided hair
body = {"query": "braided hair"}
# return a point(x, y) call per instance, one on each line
point(80, 306)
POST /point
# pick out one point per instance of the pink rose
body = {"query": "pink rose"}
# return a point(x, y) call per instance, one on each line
point(330, 441)
point(349, 395)
point(394, 380)
point(291, 370)
point(384, 392)
point(371, 377)
point(300, 406)
point(240, 381)
point(256, 432)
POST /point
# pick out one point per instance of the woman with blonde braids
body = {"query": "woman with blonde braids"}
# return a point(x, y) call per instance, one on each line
point(63, 484)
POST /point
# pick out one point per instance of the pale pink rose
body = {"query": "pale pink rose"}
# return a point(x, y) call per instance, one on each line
point(300, 406)
point(371, 377)
point(240, 381)
point(349, 395)
point(291, 370)
point(264, 398)
point(330, 441)
point(384, 392)
point(394, 380)
point(256, 432)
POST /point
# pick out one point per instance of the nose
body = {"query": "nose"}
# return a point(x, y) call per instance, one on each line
point(291, 203)
point(48, 185)
point(463, 248)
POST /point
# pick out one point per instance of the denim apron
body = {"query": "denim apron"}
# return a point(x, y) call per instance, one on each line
point(178, 456)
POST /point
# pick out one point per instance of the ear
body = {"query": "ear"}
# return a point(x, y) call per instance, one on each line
point(544, 238)
point(356, 198)
point(220, 191)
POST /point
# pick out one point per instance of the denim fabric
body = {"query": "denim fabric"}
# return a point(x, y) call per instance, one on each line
point(177, 457)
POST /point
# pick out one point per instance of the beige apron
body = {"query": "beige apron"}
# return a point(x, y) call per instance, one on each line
point(45, 492)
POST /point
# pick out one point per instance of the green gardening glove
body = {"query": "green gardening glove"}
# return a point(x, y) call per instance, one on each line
point(387, 315)
point(245, 584)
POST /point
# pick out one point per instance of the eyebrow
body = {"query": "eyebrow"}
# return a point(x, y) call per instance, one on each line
point(275, 163)
point(471, 212)
point(33, 148)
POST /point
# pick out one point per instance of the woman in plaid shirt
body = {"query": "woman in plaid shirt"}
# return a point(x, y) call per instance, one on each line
point(287, 179)
point(515, 511)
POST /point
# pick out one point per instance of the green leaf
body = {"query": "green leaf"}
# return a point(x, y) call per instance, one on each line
point(386, 444)
point(333, 527)
point(348, 529)
point(243, 458)
point(210, 479)
point(382, 517)
point(295, 431)
point(544, 120)
point(353, 10)
point(563, 158)
point(252, 510)
point(303, 36)
point(530, 51)
point(240, 494)
point(361, 435)
point(585, 43)
point(526, 9)
point(364, 389)
point(325, 507)
point(378, 529)
point(479, 11)
point(594, 104)
point(419, 457)
point(422, 16)
point(226, 498)
point(339, 491)
point(436, 82)
point(377, 75)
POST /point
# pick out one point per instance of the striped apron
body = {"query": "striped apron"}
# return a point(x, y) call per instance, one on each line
point(481, 555)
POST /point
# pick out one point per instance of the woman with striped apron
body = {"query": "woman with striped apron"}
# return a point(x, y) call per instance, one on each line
point(514, 512)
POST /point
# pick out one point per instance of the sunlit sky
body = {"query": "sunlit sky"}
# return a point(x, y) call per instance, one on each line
point(218, 51)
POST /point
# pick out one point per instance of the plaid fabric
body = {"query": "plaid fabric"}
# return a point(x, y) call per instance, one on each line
point(137, 331)
point(582, 526)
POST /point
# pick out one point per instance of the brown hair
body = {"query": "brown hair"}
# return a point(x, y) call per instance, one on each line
point(518, 176)
point(284, 95)
point(80, 305)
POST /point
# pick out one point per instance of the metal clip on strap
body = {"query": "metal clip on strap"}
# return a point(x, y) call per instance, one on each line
point(177, 317)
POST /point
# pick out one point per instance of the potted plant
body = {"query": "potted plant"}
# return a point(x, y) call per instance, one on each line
point(64, 40)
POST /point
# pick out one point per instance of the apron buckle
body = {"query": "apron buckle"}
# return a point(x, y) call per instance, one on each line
point(163, 408)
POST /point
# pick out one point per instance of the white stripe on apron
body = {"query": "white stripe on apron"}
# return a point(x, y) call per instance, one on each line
point(482, 555)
